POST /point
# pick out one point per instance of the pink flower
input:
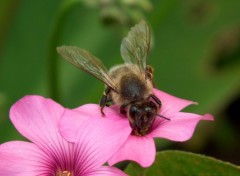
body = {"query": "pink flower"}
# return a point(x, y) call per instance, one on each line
point(37, 119)
point(142, 149)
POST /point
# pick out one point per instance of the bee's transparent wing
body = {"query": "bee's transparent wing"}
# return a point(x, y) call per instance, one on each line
point(135, 47)
point(86, 62)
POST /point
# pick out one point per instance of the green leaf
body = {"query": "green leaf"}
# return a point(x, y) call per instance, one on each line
point(184, 163)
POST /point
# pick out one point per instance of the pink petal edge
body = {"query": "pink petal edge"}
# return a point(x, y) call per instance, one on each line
point(109, 171)
point(102, 137)
point(72, 119)
point(18, 158)
point(36, 118)
point(170, 103)
point(139, 149)
point(180, 128)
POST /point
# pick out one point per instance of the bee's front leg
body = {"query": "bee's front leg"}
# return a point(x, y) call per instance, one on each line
point(156, 99)
point(104, 99)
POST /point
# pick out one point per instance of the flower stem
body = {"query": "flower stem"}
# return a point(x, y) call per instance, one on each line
point(54, 85)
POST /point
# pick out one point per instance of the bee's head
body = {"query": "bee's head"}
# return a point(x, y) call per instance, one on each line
point(141, 116)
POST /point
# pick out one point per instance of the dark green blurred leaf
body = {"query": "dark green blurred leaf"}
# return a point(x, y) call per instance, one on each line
point(183, 54)
point(7, 10)
point(120, 12)
point(169, 163)
point(23, 64)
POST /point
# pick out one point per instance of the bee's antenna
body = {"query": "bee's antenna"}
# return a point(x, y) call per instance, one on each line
point(162, 116)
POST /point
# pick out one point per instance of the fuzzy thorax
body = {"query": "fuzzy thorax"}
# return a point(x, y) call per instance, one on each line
point(131, 84)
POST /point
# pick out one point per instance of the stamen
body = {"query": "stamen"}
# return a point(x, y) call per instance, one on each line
point(64, 173)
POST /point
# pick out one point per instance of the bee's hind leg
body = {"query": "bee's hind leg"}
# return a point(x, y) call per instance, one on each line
point(149, 74)
point(104, 100)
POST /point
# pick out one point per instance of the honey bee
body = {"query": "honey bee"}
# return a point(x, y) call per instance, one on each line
point(129, 85)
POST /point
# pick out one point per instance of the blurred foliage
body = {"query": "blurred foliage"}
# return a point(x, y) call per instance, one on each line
point(196, 56)
point(169, 163)
point(121, 12)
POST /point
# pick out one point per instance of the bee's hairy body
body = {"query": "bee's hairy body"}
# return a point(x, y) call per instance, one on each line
point(131, 84)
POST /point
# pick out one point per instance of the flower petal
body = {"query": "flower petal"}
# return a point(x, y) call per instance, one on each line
point(72, 119)
point(140, 149)
point(22, 158)
point(37, 119)
point(71, 122)
point(99, 138)
point(179, 128)
point(107, 171)
point(171, 104)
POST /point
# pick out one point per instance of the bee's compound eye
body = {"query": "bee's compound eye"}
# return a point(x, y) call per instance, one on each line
point(148, 109)
point(134, 111)
point(133, 117)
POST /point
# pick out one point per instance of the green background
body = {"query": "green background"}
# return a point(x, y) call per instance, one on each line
point(195, 53)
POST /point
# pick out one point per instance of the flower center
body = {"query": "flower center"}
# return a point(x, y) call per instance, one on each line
point(64, 173)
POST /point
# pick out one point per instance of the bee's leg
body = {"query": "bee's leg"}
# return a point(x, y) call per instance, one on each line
point(122, 109)
point(104, 99)
point(159, 104)
point(156, 100)
point(149, 74)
